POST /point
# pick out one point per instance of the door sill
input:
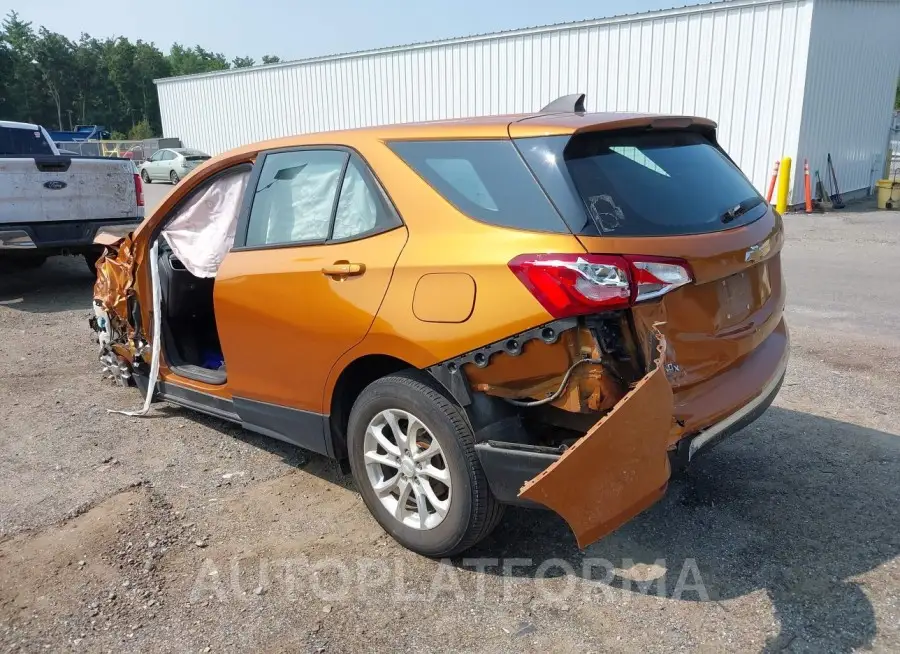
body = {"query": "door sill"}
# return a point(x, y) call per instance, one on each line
point(200, 374)
point(198, 401)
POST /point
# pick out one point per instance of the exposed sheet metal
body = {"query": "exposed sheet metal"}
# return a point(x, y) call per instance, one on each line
point(156, 335)
point(619, 467)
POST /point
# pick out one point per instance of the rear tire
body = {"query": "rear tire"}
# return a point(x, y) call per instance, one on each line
point(472, 510)
point(146, 177)
point(173, 177)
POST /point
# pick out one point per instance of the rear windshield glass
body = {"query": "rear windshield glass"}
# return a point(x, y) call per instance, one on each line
point(17, 141)
point(486, 180)
point(643, 184)
point(194, 155)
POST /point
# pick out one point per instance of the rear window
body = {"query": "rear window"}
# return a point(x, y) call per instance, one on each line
point(194, 155)
point(643, 184)
point(486, 180)
point(17, 141)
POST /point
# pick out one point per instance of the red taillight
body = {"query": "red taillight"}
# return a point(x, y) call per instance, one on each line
point(574, 284)
point(655, 276)
point(139, 190)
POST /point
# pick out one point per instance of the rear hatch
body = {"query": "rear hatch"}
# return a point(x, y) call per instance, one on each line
point(672, 197)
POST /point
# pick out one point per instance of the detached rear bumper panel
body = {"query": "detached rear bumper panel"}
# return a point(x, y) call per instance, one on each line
point(618, 468)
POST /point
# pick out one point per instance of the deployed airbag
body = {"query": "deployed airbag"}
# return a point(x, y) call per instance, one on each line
point(202, 232)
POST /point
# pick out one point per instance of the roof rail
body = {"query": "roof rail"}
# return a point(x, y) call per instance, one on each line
point(567, 104)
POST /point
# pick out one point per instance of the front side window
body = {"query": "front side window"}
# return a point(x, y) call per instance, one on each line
point(294, 198)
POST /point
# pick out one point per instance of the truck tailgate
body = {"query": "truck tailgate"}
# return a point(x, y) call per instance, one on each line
point(59, 188)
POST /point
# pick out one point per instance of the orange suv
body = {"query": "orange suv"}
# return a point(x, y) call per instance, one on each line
point(551, 309)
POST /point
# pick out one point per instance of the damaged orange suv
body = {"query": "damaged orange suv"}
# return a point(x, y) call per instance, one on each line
point(551, 309)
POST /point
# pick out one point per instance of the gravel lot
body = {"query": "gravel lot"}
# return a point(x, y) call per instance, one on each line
point(180, 532)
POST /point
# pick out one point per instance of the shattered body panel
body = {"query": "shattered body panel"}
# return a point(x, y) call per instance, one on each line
point(618, 468)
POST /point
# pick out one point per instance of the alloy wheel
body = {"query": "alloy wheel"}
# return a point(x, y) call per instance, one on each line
point(407, 469)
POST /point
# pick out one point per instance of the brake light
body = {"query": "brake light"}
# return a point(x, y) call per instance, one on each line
point(655, 276)
point(574, 284)
point(139, 190)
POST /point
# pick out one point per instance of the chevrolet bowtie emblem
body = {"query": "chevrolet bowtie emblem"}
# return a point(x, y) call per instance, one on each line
point(757, 252)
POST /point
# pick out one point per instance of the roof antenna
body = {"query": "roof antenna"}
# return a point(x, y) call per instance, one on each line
point(566, 104)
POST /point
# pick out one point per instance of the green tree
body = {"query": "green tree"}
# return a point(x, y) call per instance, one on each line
point(141, 131)
point(48, 79)
point(23, 84)
point(53, 55)
point(189, 61)
point(271, 59)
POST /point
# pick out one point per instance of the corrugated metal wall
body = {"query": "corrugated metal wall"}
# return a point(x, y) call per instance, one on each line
point(854, 62)
point(741, 63)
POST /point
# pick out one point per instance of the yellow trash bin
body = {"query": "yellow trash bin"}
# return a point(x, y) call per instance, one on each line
point(888, 192)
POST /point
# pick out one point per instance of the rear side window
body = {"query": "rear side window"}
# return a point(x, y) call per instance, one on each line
point(486, 180)
point(17, 141)
point(643, 183)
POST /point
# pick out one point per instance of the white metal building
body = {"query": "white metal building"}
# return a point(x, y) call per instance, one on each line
point(798, 78)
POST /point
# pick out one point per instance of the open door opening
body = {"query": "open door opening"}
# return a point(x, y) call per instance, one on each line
point(191, 247)
point(190, 339)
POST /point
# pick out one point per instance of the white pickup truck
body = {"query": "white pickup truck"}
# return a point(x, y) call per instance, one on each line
point(55, 204)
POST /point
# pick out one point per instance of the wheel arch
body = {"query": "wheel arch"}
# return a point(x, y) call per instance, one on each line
point(348, 384)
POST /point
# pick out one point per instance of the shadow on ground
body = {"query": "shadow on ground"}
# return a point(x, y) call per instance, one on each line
point(61, 284)
point(795, 505)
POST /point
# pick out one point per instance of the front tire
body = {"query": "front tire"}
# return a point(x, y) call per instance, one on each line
point(146, 177)
point(413, 458)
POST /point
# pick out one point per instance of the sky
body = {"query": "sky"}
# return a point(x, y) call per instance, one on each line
point(296, 29)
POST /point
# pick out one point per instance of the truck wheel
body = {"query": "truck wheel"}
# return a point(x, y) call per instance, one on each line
point(30, 261)
point(90, 258)
point(173, 177)
point(146, 177)
point(413, 458)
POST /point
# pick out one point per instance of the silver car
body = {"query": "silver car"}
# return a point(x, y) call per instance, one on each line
point(171, 164)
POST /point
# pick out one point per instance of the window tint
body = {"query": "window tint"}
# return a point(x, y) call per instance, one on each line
point(294, 198)
point(486, 180)
point(168, 155)
point(361, 208)
point(643, 184)
point(17, 141)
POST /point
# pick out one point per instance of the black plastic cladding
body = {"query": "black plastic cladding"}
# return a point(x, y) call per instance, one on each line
point(450, 372)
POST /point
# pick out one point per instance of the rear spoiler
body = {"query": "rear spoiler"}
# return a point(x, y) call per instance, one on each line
point(567, 115)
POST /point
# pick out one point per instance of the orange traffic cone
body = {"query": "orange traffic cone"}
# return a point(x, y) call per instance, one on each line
point(772, 183)
point(807, 187)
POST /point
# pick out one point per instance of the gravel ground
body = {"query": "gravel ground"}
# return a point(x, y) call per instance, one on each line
point(180, 532)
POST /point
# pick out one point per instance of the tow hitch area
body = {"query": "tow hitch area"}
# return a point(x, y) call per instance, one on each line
point(619, 467)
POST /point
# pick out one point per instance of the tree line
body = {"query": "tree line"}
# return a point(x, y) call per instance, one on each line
point(48, 79)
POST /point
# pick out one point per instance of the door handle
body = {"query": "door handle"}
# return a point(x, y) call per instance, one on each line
point(340, 269)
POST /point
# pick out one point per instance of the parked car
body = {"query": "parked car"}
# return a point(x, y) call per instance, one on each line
point(53, 203)
point(549, 309)
point(171, 164)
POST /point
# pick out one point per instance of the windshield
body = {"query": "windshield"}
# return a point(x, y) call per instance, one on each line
point(657, 183)
point(18, 141)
